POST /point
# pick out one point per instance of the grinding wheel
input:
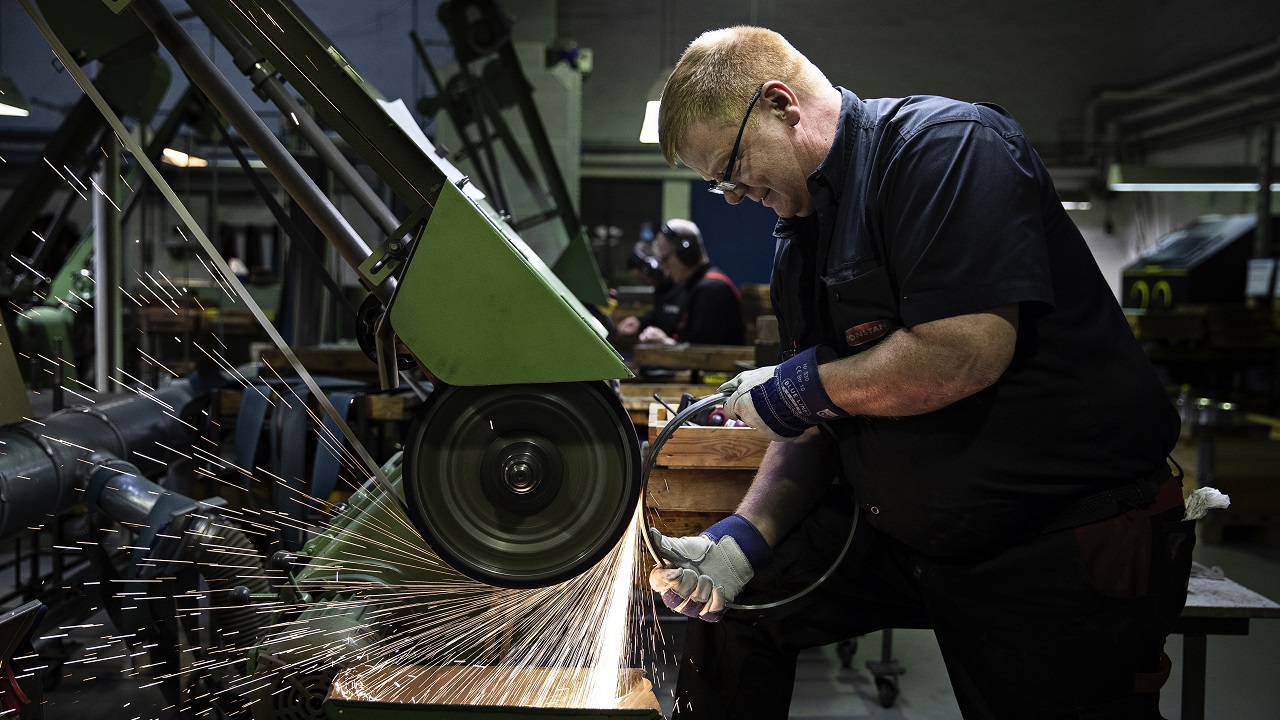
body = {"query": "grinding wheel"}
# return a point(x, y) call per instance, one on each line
point(522, 486)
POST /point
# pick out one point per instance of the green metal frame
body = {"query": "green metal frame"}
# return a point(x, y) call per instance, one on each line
point(475, 305)
point(488, 310)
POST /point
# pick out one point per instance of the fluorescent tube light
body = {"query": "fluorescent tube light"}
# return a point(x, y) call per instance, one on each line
point(181, 159)
point(1183, 178)
point(649, 131)
point(12, 103)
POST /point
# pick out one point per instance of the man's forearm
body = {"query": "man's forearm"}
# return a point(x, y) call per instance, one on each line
point(924, 368)
point(791, 479)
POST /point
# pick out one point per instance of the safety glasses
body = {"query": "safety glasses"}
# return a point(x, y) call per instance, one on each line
point(720, 187)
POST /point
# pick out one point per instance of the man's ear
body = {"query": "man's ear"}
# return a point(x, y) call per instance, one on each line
point(781, 101)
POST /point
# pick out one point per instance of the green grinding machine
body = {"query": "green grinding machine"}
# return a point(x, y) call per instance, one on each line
point(522, 468)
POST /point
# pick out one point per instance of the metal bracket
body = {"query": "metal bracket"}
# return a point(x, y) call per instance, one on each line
point(384, 343)
point(391, 254)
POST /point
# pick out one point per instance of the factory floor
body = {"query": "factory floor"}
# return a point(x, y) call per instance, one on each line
point(1241, 682)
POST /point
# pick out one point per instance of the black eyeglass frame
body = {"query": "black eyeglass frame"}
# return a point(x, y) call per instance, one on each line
point(720, 187)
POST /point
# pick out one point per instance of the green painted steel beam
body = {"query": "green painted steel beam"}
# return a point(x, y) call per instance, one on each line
point(478, 307)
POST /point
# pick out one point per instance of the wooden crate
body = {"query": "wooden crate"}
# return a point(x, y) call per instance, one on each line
point(638, 396)
point(700, 474)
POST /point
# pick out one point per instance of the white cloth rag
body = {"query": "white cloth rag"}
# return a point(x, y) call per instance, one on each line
point(1202, 500)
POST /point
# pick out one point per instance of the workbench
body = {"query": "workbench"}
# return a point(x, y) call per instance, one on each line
point(1215, 605)
point(731, 359)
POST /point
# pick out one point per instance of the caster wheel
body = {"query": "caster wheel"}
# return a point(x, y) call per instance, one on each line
point(887, 690)
point(845, 650)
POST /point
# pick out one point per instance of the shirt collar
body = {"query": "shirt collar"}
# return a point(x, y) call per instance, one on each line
point(698, 273)
point(835, 167)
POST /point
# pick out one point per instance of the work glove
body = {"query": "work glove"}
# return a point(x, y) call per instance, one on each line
point(700, 575)
point(781, 401)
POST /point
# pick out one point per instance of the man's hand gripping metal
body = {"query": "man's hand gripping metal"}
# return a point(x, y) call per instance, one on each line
point(781, 401)
point(701, 575)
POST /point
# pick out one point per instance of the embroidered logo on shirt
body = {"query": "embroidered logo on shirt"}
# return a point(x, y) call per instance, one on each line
point(866, 332)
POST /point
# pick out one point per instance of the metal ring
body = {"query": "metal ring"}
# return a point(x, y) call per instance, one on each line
point(674, 423)
point(123, 451)
point(44, 445)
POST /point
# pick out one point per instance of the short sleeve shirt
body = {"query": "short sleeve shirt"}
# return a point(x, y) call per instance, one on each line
point(928, 208)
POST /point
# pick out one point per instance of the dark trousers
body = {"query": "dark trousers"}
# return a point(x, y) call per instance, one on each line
point(1069, 624)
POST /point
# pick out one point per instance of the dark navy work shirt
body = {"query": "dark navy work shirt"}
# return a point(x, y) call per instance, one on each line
point(928, 208)
point(668, 306)
point(713, 310)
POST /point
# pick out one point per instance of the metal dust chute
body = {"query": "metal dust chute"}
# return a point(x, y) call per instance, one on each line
point(522, 485)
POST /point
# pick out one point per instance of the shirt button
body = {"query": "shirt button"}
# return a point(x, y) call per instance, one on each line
point(875, 510)
point(836, 296)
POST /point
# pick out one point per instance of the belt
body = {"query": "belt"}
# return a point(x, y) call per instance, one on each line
point(1109, 503)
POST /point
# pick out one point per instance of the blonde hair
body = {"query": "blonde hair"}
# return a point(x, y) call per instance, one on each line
point(719, 72)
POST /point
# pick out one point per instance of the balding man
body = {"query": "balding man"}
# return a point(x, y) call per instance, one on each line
point(954, 355)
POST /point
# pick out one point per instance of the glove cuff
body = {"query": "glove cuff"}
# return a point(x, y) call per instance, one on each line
point(801, 389)
point(748, 538)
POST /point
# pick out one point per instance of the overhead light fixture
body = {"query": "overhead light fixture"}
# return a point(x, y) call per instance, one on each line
point(1183, 178)
point(649, 130)
point(12, 103)
point(1077, 205)
point(181, 159)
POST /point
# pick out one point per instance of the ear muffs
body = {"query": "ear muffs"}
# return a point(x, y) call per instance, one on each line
point(687, 248)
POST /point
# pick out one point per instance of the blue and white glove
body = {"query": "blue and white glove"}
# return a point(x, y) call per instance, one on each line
point(781, 401)
point(700, 575)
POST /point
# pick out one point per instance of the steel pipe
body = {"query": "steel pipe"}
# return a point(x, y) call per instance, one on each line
point(45, 466)
point(202, 72)
point(267, 82)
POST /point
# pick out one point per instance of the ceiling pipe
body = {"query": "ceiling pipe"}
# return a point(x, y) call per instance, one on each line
point(1160, 89)
point(1224, 113)
point(1216, 67)
point(1229, 90)
point(202, 72)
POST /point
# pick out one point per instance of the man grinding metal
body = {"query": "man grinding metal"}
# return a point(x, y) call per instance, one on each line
point(955, 357)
